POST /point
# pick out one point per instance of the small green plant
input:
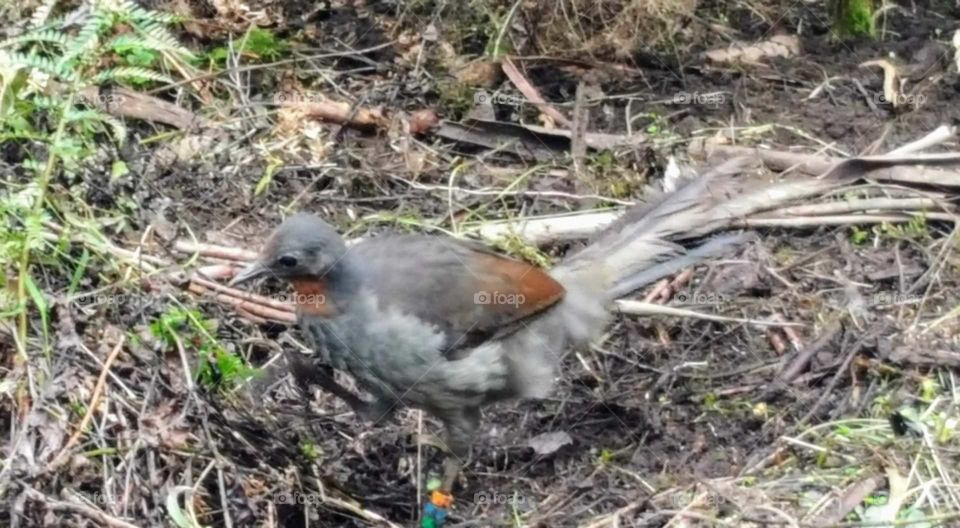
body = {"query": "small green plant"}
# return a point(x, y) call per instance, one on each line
point(258, 44)
point(854, 18)
point(49, 97)
point(710, 402)
point(45, 72)
point(602, 162)
point(218, 367)
point(455, 98)
point(311, 451)
point(606, 456)
point(515, 246)
point(929, 389)
point(913, 229)
point(858, 235)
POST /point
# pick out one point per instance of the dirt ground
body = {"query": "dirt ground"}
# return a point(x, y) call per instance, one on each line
point(670, 421)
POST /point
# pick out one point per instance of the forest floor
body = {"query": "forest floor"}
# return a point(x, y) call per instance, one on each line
point(666, 421)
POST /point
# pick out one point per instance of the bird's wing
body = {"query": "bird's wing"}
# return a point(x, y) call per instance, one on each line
point(467, 291)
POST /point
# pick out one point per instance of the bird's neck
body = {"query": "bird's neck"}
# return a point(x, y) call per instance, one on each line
point(328, 294)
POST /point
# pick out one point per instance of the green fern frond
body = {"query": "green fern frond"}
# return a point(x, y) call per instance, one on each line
point(46, 102)
point(44, 35)
point(128, 40)
point(144, 15)
point(87, 38)
point(54, 23)
point(132, 73)
point(76, 116)
point(43, 64)
point(117, 128)
point(155, 32)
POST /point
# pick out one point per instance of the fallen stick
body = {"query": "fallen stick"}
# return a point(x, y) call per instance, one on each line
point(658, 290)
point(631, 307)
point(250, 306)
point(818, 165)
point(341, 112)
point(540, 230)
point(803, 357)
point(544, 229)
point(850, 206)
point(244, 295)
point(531, 93)
point(253, 318)
point(939, 135)
point(123, 102)
point(219, 271)
point(212, 250)
point(814, 221)
point(776, 341)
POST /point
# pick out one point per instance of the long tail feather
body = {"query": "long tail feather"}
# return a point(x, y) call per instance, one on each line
point(648, 241)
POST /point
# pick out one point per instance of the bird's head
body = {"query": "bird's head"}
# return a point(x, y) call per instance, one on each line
point(303, 247)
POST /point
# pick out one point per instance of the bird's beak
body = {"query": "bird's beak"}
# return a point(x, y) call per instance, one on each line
point(252, 271)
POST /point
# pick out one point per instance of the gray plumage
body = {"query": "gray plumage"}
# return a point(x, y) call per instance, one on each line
point(403, 317)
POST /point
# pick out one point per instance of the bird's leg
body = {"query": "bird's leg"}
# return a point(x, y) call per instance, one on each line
point(451, 470)
point(460, 429)
point(307, 372)
point(460, 426)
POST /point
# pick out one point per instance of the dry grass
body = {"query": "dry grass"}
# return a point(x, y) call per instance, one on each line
point(611, 29)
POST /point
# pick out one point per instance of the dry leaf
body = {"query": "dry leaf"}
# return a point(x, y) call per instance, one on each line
point(742, 52)
point(422, 121)
point(549, 443)
point(485, 74)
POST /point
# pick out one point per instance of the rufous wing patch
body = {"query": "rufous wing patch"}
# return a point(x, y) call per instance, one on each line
point(312, 296)
point(515, 286)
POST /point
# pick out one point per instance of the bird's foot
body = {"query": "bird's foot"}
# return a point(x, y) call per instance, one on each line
point(451, 470)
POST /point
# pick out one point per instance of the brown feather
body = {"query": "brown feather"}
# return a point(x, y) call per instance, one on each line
point(312, 296)
point(530, 287)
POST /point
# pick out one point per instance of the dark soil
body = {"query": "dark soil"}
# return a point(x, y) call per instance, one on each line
point(658, 405)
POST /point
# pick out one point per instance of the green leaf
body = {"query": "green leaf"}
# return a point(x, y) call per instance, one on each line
point(118, 170)
point(177, 514)
point(78, 272)
point(267, 177)
point(50, 36)
point(130, 73)
point(41, 303)
point(264, 44)
point(44, 64)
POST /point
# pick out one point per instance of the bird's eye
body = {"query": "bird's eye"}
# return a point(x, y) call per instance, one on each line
point(287, 261)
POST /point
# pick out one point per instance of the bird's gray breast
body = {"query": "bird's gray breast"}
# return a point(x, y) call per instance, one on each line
point(385, 349)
